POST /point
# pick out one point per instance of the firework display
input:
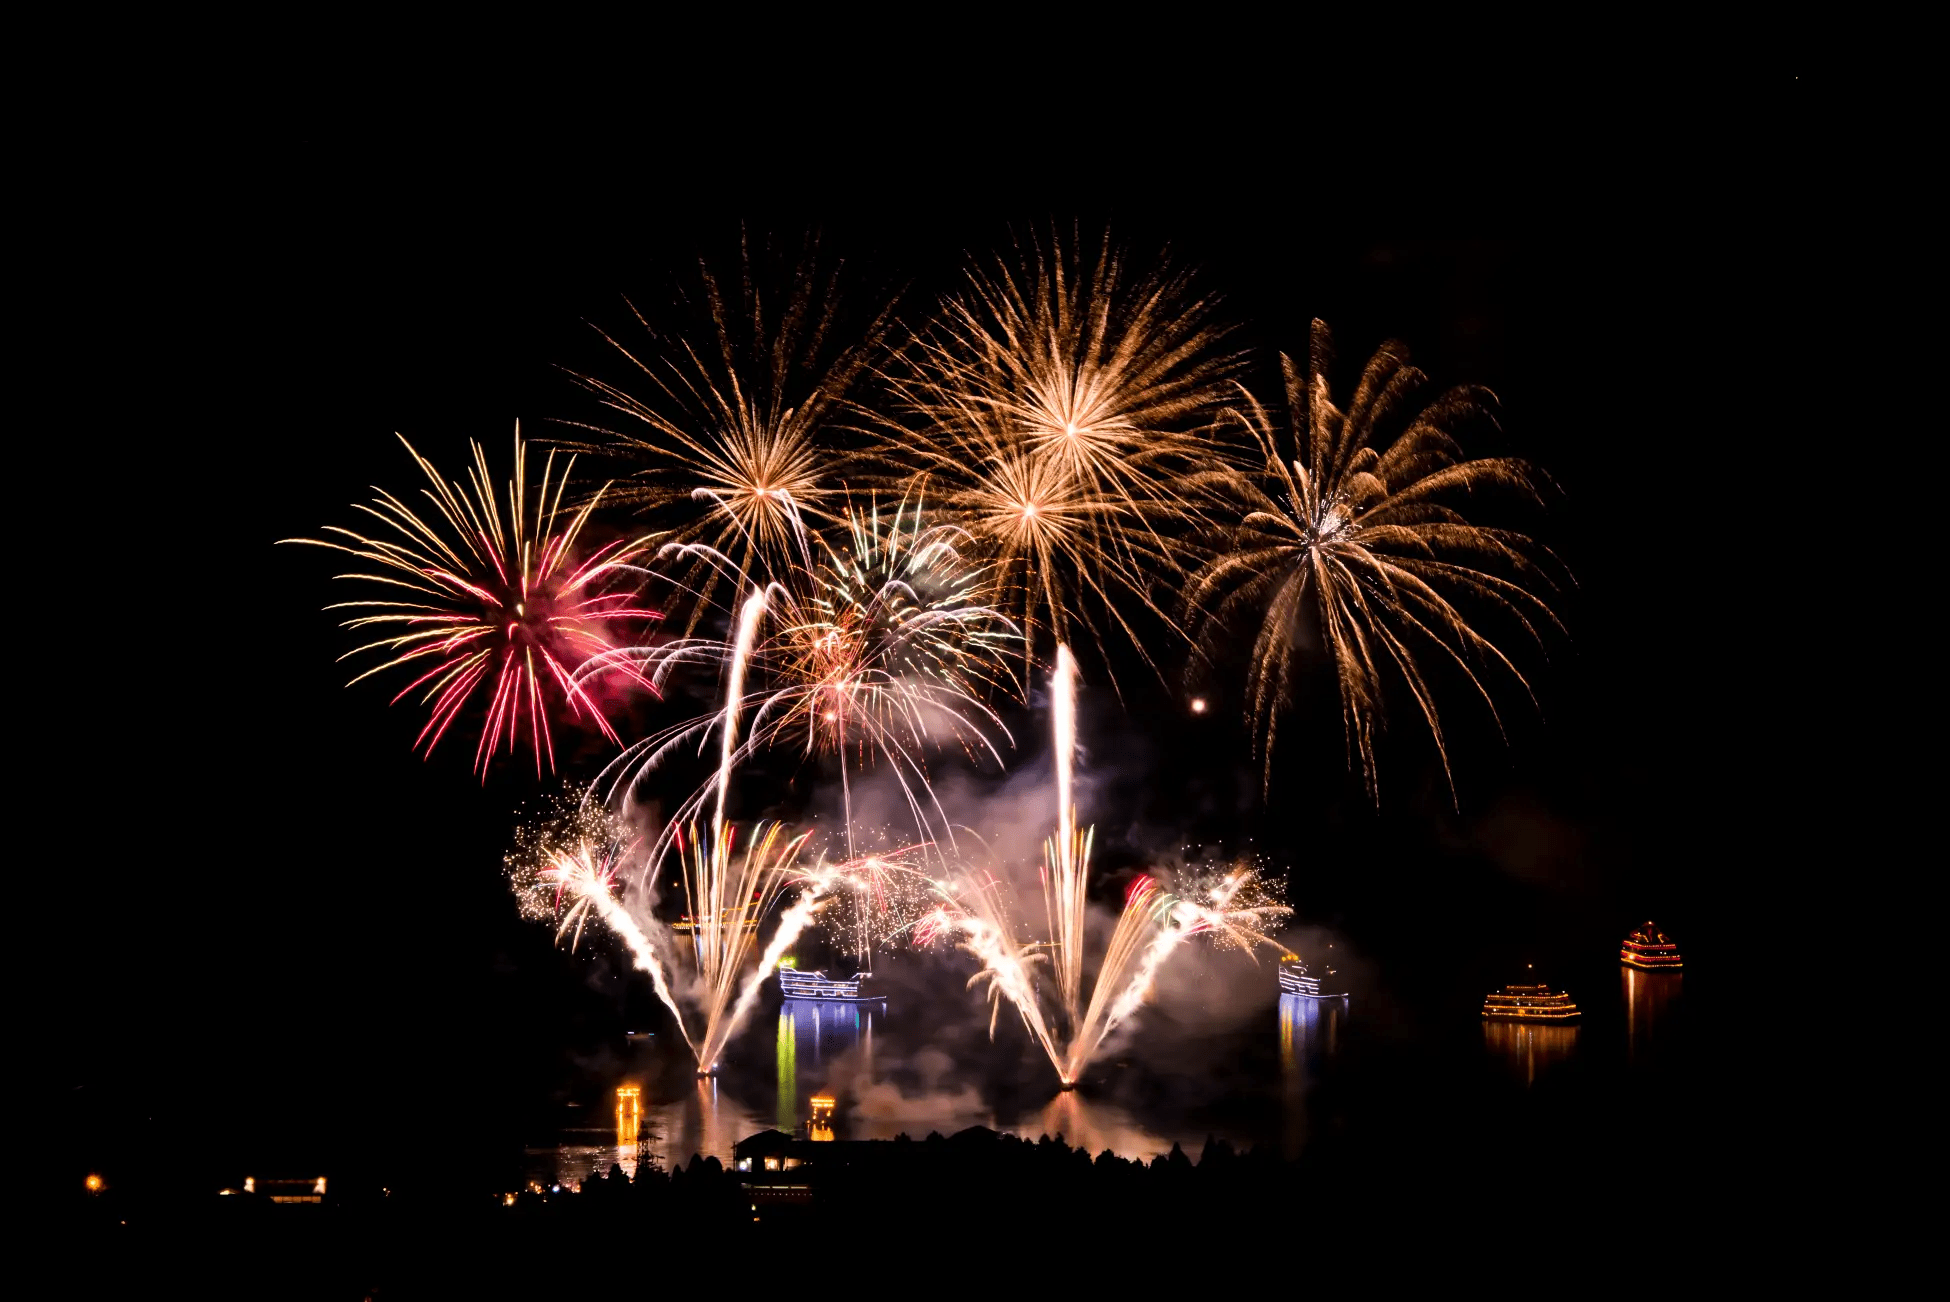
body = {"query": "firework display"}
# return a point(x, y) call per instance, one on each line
point(1153, 924)
point(873, 655)
point(1032, 468)
point(503, 605)
point(727, 429)
point(1056, 410)
point(1367, 545)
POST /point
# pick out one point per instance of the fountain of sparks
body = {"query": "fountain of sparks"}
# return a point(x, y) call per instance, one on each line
point(1152, 926)
point(728, 892)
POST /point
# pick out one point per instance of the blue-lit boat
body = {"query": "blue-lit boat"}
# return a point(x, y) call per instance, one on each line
point(1296, 979)
point(794, 984)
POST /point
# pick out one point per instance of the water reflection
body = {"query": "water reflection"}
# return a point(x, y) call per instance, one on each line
point(707, 1121)
point(914, 1083)
point(813, 1035)
point(1529, 1047)
point(1094, 1126)
point(1649, 997)
point(1310, 1033)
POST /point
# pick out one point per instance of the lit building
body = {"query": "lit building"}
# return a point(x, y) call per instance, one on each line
point(821, 1129)
point(1650, 949)
point(776, 1169)
point(629, 1113)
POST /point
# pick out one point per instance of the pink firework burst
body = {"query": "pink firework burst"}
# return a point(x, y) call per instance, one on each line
point(501, 605)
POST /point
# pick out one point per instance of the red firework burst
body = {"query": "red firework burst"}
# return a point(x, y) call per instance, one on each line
point(499, 605)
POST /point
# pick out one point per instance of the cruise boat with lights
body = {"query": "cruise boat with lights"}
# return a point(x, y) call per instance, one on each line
point(1520, 1003)
point(1297, 979)
point(1649, 948)
point(794, 984)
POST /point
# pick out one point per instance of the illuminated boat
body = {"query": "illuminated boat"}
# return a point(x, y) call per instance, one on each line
point(794, 984)
point(1297, 979)
point(1529, 1004)
point(1649, 948)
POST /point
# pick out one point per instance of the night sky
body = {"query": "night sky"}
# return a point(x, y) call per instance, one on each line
point(294, 936)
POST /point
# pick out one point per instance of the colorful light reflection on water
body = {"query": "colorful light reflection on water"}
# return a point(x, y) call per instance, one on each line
point(1530, 1048)
point(1310, 1034)
point(828, 1048)
point(1649, 1005)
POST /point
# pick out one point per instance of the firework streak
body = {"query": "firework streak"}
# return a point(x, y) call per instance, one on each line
point(576, 874)
point(501, 609)
point(873, 655)
point(1153, 925)
point(1059, 411)
point(1370, 538)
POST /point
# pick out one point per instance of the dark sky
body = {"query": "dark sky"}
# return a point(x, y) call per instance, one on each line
point(279, 897)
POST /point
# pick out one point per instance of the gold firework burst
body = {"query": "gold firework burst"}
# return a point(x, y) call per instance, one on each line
point(730, 426)
point(1366, 540)
point(1056, 410)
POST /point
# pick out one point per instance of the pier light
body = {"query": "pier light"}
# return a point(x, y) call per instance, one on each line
point(629, 1113)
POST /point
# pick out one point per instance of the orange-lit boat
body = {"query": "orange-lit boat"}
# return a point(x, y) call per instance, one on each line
point(1651, 949)
point(1529, 1004)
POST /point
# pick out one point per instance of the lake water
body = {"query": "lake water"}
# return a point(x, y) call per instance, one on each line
point(1204, 1060)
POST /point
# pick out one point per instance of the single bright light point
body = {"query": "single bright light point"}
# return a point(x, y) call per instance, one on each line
point(94, 1183)
point(1198, 705)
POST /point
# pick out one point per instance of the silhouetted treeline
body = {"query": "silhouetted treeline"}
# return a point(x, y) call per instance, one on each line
point(916, 1200)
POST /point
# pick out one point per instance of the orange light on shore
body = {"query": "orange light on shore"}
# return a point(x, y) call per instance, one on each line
point(94, 1183)
point(629, 1113)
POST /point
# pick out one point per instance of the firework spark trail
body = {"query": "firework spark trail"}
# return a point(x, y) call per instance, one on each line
point(729, 896)
point(1059, 409)
point(1169, 921)
point(1153, 925)
point(499, 607)
point(1064, 871)
point(1143, 913)
point(575, 872)
point(887, 896)
point(791, 923)
point(734, 696)
point(728, 415)
point(877, 653)
point(1366, 536)
point(976, 916)
point(565, 867)
point(817, 886)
